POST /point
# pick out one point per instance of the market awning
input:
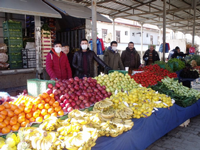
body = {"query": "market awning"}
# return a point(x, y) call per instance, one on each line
point(28, 7)
point(75, 10)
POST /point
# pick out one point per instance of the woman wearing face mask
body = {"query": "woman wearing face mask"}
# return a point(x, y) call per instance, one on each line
point(83, 61)
point(112, 57)
point(57, 64)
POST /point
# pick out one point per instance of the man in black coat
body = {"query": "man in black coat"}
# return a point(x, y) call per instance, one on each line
point(150, 56)
point(83, 61)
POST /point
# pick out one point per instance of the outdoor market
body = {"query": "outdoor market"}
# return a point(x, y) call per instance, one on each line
point(63, 89)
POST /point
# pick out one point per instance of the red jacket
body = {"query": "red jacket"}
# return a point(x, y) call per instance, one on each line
point(58, 67)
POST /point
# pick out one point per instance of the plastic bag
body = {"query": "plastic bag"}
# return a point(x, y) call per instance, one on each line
point(30, 45)
point(3, 57)
point(3, 65)
point(3, 48)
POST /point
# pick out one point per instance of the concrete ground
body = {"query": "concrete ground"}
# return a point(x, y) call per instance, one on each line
point(181, 138)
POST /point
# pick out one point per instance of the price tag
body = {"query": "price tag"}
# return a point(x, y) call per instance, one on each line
point(125, 103)
point(173, 101)
point(116, 92)
point(157, 102)
point(140, 85)
point(155, 109)
point(165, 104)
point(135, 104)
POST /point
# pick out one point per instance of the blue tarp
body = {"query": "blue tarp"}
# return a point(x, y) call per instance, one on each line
point(147, 130)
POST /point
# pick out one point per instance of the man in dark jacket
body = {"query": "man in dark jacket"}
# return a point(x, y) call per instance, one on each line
point(112, 57)
point(177, 53)
point(150, 56)
point(57, 64)
point(130, 57)
point(83, 61)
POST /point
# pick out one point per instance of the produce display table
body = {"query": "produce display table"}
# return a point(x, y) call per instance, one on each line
point(147, 130)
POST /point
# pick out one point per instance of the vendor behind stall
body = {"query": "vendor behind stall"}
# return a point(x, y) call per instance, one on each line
point(57, 64)
point(176, 53)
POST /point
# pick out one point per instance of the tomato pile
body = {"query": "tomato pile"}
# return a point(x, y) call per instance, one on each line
point(152, 75)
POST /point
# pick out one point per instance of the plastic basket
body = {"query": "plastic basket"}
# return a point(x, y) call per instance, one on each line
point(15, 57)
point(8, 33)
point(37, 86)
point(16, 65)
point(28, 54)
point(120, 71)
point(12, 25)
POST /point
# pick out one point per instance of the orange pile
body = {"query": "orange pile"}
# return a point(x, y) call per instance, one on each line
point(29, 110)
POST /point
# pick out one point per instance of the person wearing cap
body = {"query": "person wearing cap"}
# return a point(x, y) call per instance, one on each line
point(57, 64)
point(150, 56)
point(112, 57)
point(69, 55)
point(83, 61)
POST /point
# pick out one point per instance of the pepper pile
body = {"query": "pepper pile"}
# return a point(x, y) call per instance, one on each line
point(152, 75)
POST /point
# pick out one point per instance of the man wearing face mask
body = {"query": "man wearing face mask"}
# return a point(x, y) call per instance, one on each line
point(130, 57)
point(57, 64)
point(112, 57)
point(83, 61)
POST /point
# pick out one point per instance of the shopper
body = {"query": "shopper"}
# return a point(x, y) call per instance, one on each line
point(83, 61)
point(130, 57)
point(150, 56)
point(176, 53)
point(69, 55)
point(112, 57)
point(57, 64)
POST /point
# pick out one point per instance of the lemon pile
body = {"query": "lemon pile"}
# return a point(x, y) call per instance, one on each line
point(141, 100)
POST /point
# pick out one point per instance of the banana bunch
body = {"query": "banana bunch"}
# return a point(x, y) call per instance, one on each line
point(50, 124)
point(77, 114)
point(44, 141)
point(25, 133)
point(102, 104)
point(124, 113)
point(81, 120)
point(108, 113)
point(79, 141)
point(65, 130)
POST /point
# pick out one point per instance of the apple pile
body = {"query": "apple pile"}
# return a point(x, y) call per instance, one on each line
point(76, 93)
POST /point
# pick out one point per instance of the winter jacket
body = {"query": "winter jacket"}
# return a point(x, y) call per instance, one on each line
point(176, 54)
point(130, 58)
point(113, 60)
point(77, 63)
point(58, 67)
point(155, 56)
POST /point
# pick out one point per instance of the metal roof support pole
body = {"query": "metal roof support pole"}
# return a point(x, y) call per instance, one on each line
point(141, 40)
point(38, 44)
point(114, 39)
point(159, 40)
point(164, 28)
point(94, 32)
point(194, 17)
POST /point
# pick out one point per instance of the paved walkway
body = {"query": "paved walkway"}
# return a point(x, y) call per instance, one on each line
point(181, 138)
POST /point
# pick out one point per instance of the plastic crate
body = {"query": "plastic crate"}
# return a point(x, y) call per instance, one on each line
point(29, 54)
point(16, 65)
point(12, 25)
point(120, 71)
point(29, 63)
point(37, 86)
point(14, 49)
point(14, 43)
point(17, 34)
point(14, 57)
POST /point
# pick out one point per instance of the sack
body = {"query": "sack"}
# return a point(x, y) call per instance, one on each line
point(30, 45)
point(3, 65)
point(3, 48)
point(3, 57)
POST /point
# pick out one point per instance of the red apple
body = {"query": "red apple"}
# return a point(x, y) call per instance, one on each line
point(87, 104)
point(78, 102)
point(82, 106)
point(69, 109)
point(62, 105)
point(77, 107)
point(66, 101)
point(65, 109)
point(50, 86)
point(57, 85)
point(55, 92)
point(81, 97)
point(73, 104)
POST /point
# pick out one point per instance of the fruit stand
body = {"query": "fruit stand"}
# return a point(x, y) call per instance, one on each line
point(88, 113)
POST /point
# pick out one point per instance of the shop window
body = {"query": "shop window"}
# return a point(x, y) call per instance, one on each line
point(118, 36)
point(151, 39)
point(104, 33)
point(147, 35)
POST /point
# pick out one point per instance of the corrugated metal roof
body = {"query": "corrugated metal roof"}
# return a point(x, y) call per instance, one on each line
point(75, 10)
point(28, 7)
point(179, 12)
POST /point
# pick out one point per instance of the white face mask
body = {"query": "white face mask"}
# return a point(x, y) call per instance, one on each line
point(58, 49)
point(84, 47)
point(114, 48)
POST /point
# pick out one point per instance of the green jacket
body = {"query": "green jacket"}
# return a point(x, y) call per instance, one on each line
point(113, 60)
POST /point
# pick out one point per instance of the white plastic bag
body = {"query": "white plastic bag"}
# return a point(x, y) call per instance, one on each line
point(30, 45)
point(3, 57)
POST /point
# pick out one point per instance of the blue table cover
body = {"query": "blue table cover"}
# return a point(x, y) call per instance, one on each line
point(147, 130)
